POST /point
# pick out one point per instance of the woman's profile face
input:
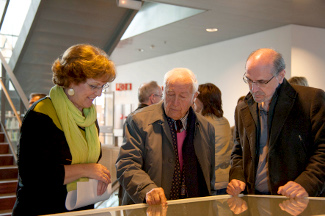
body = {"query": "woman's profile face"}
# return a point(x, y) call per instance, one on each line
point(85, 93)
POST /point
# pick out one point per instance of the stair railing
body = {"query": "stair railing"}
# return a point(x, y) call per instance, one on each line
point(13, 151)
point(11, 123)
point(14, 81)
point(10, 102)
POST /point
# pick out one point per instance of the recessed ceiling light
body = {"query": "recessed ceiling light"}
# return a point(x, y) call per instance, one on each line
point(141, 50)
point(211, 29)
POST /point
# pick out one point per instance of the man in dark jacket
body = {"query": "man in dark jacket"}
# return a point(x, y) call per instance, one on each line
point(279, 133)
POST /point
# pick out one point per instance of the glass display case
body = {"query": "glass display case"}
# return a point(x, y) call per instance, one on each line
point(221, 205)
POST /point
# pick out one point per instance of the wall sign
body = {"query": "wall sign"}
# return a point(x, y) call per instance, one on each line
point(123, 86)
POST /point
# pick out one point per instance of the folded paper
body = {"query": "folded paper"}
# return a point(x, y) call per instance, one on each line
point(86, 194)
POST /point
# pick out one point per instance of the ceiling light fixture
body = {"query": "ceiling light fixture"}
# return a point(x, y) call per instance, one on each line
point(211, 29)
point(131, 4)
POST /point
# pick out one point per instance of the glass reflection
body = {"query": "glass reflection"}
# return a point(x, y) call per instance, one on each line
point(246, 205)
point(157, 210)
point(294, 206)
point(272, 206)
point(237, 205)
point(207, 208)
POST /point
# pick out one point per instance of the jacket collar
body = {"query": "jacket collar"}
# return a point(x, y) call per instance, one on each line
point(284, 104)
point(248, 114)
point(281, 106)
point(158, 116)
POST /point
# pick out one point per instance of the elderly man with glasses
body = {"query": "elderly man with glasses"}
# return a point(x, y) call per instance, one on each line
point(168, 150)
point(279, 133)
point(148, 94)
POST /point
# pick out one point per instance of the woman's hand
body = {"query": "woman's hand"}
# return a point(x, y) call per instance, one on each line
point(98, 172)
point(101, 188)
point(102, 174)
point(91, 170)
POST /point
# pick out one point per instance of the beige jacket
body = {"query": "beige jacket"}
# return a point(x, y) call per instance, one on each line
point(223, 146)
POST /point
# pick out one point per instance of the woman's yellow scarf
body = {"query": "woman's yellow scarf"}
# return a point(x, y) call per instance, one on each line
point(82, 150)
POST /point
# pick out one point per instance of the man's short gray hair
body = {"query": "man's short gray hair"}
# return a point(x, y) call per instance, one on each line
point(182, 72)
point(278, 63)
point(146, 90)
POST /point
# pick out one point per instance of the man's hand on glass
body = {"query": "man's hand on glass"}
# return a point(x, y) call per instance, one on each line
point(156, 197)
point(235, 187)
point(292, 190)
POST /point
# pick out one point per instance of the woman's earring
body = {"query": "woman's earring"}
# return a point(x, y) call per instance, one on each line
point(71, 92)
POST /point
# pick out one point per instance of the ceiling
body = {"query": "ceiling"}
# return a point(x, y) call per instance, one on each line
point(232, 18)
point(59, 24)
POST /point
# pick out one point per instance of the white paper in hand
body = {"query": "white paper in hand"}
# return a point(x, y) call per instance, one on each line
point(86, 194)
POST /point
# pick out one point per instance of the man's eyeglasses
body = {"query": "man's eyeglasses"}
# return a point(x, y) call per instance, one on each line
point(160, 96)
point(259, 83)
point(94, 88)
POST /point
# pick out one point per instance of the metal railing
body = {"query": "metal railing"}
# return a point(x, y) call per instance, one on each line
point(13, 104)
point(10, 102)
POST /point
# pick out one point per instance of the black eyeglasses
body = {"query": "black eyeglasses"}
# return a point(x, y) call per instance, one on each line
point(259, 83)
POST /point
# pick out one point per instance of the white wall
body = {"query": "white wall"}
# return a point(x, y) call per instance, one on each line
point(224, 63)
point(308, 55)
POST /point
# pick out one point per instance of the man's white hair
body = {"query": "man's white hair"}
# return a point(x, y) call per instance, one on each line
point(181, 73)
